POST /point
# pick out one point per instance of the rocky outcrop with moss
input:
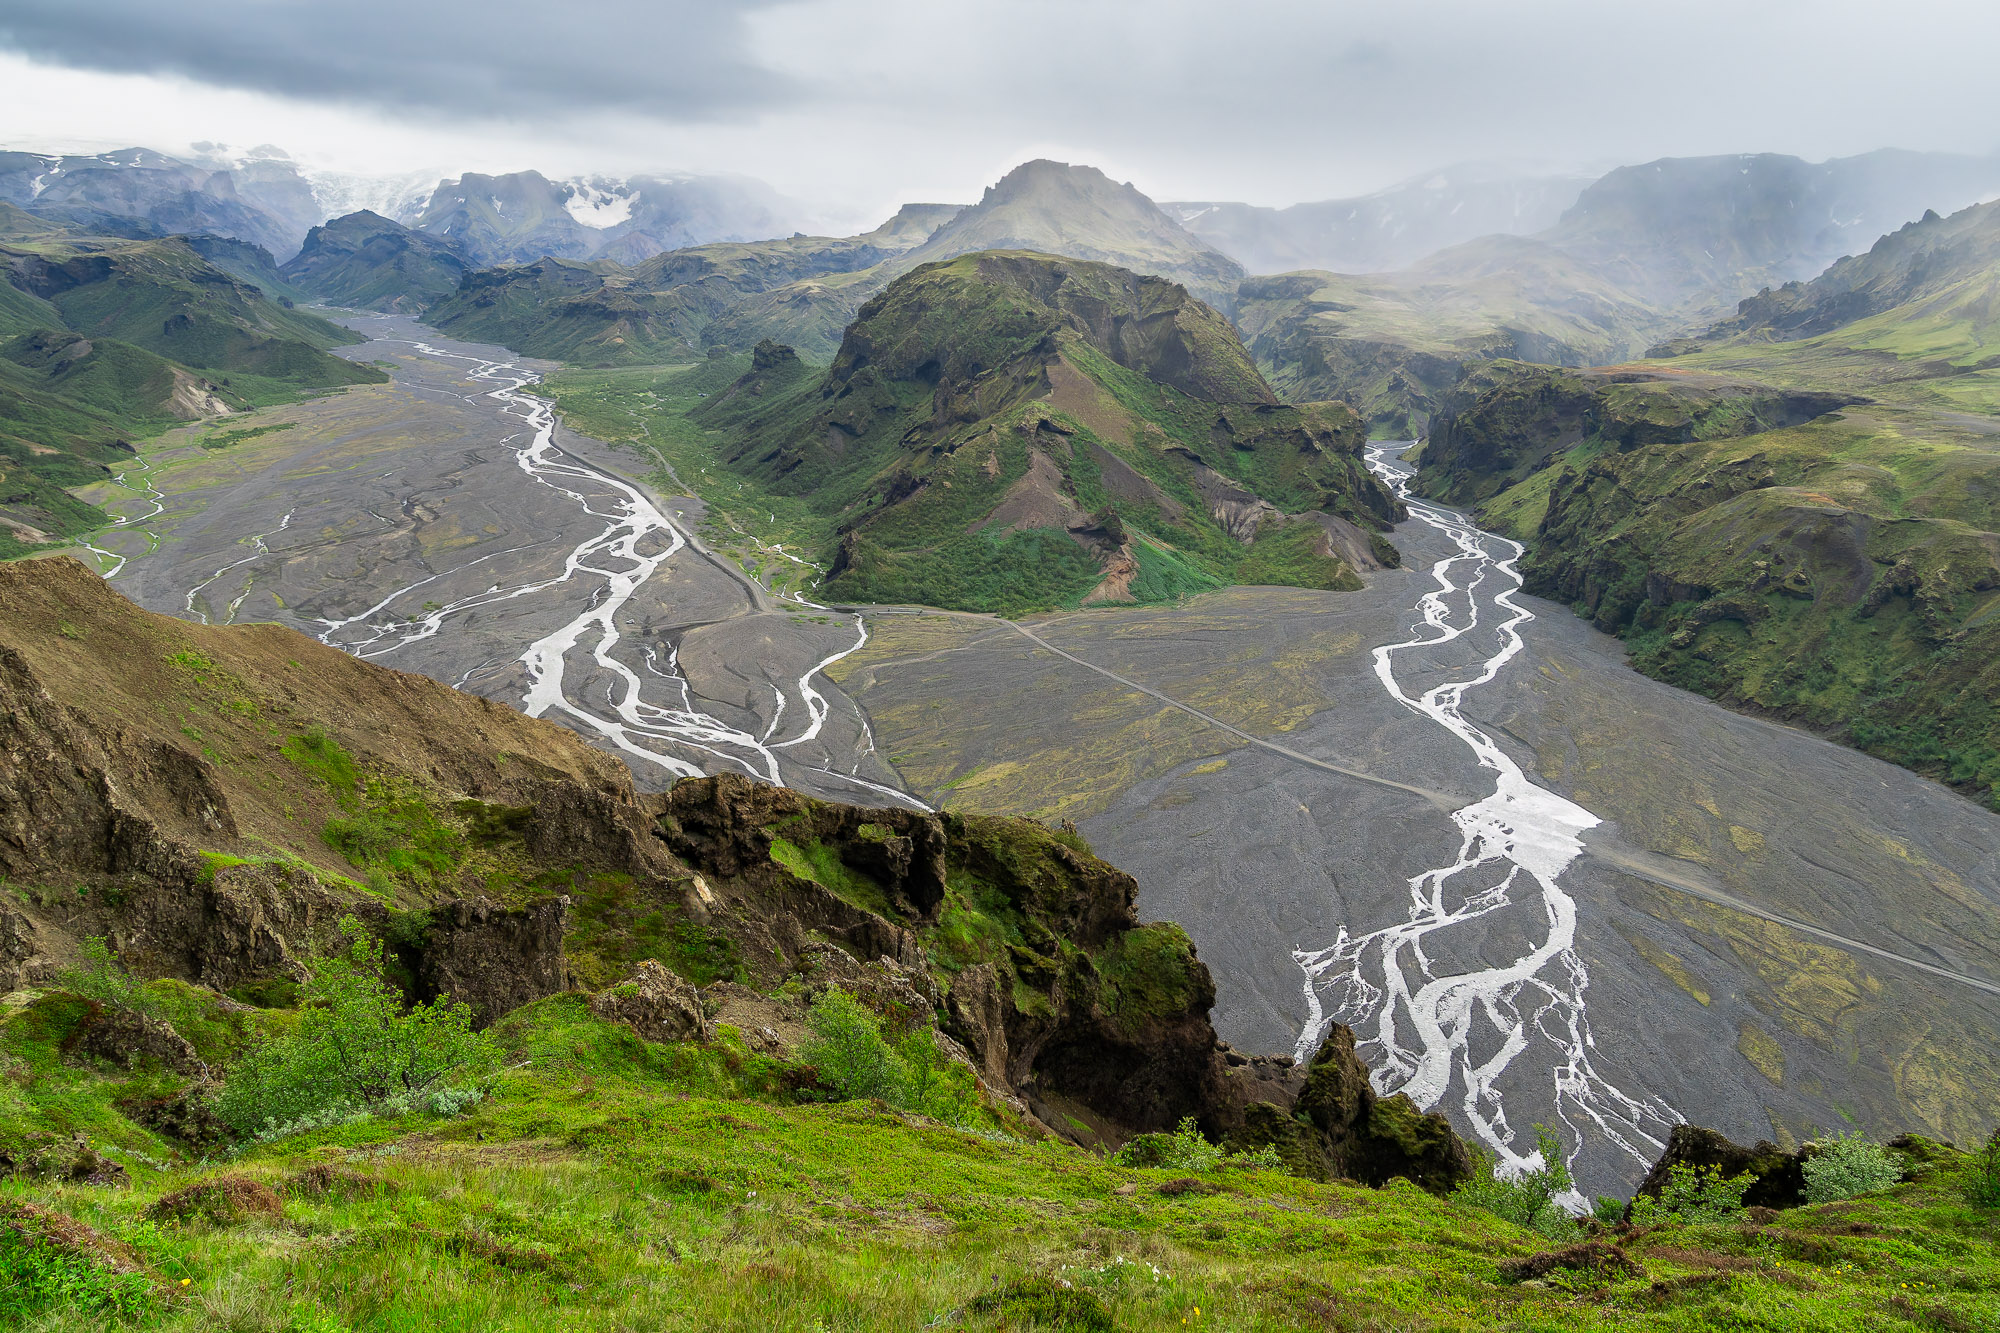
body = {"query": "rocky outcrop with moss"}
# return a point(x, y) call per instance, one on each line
point(213, 802)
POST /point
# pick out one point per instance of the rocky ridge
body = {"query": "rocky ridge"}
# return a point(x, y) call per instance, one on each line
point(211, 801)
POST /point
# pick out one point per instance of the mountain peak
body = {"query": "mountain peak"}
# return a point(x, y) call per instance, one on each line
point(1066, 209)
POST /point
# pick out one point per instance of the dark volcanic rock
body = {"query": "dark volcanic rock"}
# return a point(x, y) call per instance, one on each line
point(1341, 1128)
point(494, 958)
point(1780, 1175)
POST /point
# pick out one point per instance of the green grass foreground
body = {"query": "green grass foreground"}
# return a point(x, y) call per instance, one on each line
point(607, 1183)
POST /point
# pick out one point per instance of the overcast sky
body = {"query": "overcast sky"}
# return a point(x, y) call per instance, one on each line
point(856, 105)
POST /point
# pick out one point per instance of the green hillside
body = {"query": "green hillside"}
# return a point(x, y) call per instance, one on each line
point(1842, 570)
point(1013, 431)
point(107, 341)
point(1393, 344)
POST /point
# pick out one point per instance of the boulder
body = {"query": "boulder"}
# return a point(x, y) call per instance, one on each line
point(129, 1039)
point(655, 1003)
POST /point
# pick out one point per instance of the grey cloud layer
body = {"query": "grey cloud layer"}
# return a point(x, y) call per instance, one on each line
point(677, 59)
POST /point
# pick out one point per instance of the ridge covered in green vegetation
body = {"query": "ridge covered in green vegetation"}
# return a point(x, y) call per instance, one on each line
point(106, 341)
point(1009, 432)
point(1801, 526)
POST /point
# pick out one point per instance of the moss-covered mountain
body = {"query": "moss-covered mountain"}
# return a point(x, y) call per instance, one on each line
point(104, 341)
point(727, 294)
point(1009, 431)
point(365, 260)
point(1836, 567)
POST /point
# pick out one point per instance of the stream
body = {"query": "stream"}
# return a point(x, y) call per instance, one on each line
point(1431, 1030)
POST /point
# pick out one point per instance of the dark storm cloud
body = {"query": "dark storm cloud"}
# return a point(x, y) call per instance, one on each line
point(674, 59)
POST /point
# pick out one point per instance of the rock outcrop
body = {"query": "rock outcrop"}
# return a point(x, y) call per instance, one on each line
point(656, 1004)
point(1339, 1127)
point(1778, 1176)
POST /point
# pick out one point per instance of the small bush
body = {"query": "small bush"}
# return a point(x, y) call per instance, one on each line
point(850, 1060)
point(1528, 1199)
point(1847, 1167)
point(847, 1049)
point(356, 1050)
point(1040, 1302)
point(1186, 1150)
point(1982, 1180)
point(1693, 1196)
point(101, 977)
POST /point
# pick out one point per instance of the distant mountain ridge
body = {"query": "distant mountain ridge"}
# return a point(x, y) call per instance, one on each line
point(804, 291)
point(525, 216)
point(269, 200)
point(1646, 252)
point(1388, 229)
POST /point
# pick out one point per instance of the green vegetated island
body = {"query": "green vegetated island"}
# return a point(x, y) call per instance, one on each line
point(339, 999)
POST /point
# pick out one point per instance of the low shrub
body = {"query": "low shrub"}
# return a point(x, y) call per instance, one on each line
point(1041, 1302)
point(851, 1060)
point(1528, 1198)
point(1187, 1150)
point(1691, 1196)
point(1847, 1167)
point(847, 1048)
point(355, 1051)
point(1982, 1179)
point(101, 977)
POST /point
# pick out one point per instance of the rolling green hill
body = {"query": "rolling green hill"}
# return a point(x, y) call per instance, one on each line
point(1807, 527)
point(1008, 431)
point(109, 340)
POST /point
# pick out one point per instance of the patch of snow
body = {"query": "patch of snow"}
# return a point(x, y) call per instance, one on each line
point(597, 207)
